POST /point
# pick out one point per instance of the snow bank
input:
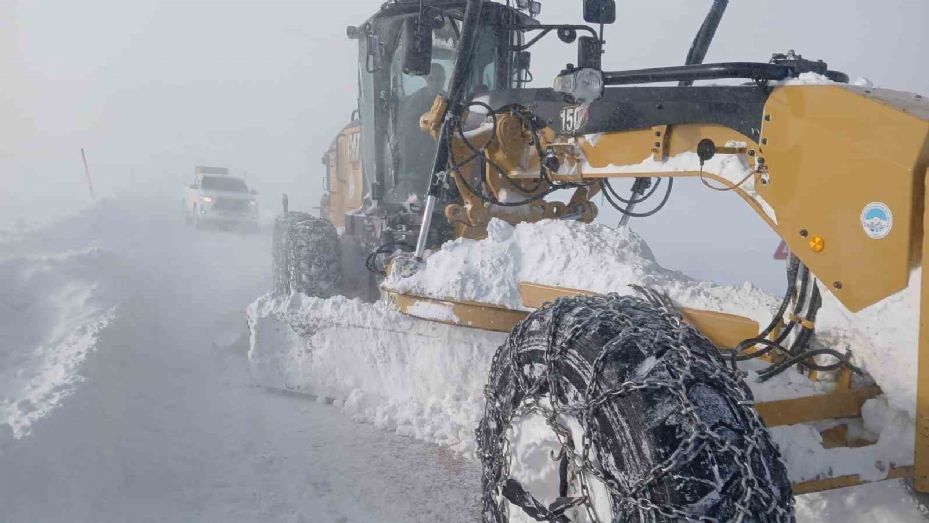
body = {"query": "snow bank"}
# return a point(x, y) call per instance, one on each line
point(892, 431)
point(883, 338)
point(51, 312)
point(416, 377)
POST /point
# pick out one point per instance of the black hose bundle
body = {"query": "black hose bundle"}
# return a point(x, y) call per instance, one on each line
point(611, 197)
point(802, 289)
point(480, 153)
point(388, 248)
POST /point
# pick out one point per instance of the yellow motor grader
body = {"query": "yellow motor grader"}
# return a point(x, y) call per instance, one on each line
point(653, 421)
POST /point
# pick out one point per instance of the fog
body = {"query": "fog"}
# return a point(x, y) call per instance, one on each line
point(151, 89)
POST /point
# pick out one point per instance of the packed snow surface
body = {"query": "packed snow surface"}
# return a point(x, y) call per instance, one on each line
point(125, 393)
point(51, 312)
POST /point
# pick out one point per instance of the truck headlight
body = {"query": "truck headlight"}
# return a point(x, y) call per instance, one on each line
point(252, 203)
point(206, 199)
point(582, 85)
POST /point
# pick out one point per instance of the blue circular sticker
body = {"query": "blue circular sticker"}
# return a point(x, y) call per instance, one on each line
point(877, 220)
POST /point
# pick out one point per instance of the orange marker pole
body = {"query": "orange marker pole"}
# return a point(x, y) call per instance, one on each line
point(90, 183)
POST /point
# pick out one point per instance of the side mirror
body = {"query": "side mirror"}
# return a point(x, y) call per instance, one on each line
point(417, 46)
point(599, 11)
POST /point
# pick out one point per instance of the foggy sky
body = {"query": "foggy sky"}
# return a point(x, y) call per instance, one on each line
point(151, 89)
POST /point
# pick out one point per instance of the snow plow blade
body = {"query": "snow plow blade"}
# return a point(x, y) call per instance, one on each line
point(724, 330)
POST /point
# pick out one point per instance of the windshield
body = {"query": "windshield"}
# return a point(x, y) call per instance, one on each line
point(410, 149)
point(392, 140)
point(217, 183)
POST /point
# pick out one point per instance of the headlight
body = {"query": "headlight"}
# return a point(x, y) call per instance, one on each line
point(582, 85)
point(206, 199)
point(253, 203)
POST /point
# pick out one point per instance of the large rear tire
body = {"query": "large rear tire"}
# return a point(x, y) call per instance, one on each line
point(670, 433)
point(306, 255)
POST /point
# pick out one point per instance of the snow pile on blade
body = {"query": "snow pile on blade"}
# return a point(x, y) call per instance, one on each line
point(51, 313)
point(419, 378)
point(426, 379)
point(567, 254)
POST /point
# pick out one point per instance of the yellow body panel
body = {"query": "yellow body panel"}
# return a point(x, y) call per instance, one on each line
point(830, 152)
point(826, 152)
point(345, 177)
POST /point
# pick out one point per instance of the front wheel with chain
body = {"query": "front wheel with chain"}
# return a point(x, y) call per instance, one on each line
point(648, 423)
point(306, 256)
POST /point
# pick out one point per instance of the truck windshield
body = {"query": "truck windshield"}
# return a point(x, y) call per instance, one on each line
point(216, 183)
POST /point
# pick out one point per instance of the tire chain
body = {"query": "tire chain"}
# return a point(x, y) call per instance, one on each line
point(305, 256)
point(495, 454)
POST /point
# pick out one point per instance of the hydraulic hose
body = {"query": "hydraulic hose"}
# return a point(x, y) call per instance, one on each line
point(705, 35)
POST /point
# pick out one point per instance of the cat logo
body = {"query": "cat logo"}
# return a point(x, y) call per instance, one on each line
point(573, 118)
point(354, 147)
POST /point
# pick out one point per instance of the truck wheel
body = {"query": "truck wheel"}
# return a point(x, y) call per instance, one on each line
point(612, 409)
point(307, 256)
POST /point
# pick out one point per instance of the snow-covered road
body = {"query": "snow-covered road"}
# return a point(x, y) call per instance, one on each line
point(152, 415)
point(166, 424)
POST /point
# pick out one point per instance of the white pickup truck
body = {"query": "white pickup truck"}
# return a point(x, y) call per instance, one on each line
point(216, 198)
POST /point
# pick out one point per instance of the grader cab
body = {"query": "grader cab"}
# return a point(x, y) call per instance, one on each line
point(378, 165)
